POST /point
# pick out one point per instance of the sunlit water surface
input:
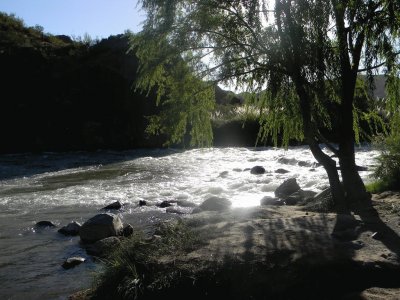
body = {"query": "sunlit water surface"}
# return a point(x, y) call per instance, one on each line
point(75, 186)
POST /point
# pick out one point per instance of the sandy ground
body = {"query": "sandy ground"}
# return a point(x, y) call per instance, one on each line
point(285, 235)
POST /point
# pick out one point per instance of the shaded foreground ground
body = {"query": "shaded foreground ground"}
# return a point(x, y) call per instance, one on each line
point(282, 253)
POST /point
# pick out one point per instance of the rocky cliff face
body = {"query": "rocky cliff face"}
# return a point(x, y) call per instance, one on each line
point(61, 95)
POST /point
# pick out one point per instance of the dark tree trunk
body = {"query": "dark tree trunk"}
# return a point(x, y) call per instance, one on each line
point(353, 185)
point(329, 164)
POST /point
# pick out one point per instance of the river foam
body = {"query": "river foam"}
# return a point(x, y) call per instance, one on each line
point(62, 187)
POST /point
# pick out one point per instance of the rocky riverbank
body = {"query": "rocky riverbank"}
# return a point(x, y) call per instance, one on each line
point(277, 252)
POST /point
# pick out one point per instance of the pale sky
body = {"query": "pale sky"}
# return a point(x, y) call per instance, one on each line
point(98, 18)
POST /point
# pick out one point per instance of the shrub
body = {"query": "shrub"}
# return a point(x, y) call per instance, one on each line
point(388, 170)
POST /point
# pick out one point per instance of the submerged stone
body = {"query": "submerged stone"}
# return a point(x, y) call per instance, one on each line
point(45, 224)
point(71, 229)
point(73, 262)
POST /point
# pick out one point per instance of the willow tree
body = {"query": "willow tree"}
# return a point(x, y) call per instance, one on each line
point(300, 58)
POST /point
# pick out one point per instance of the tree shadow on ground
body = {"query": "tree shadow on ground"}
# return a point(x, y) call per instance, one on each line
point(310, 257)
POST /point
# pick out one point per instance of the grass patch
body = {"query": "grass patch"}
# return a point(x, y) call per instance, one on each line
point(377, 187)
point(141, 266)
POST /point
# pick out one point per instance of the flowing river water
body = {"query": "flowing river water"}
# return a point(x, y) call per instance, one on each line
point(65, 187)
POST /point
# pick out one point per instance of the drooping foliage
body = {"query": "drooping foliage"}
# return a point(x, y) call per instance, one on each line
point(298, 60)
point(265, 47)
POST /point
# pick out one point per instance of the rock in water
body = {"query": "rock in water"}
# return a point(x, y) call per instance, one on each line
point(142, 203)
point(164, 204)
point(116, 205)
point(71, 229)
point(281, 171)
point(45, 224)
point(73, 262)
point(128, 230)
point(215, 204)
point(267, 200)
point(257, 170)
point(287, 188)
point(99, 227)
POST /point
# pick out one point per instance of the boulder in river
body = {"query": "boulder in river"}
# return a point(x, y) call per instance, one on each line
point(73, 262)
point(142, 203)
point(257, 170)
point(281, 171)
point(71, 229)
point(164, 204)
point(128, 230)
point(215, 204)
point(99, 227)
point(45, 224)
point(287, 188)
point(115, 205)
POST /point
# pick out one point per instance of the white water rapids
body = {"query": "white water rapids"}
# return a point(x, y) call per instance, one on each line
point(65, 187)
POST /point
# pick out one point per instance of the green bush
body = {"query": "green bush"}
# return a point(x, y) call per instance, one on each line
point(388, 170)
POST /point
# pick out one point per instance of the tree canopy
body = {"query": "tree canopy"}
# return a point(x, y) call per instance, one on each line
point(299, 59)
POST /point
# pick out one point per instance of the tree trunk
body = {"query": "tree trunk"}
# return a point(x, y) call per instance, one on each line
point(329, 164)
point(353, 185)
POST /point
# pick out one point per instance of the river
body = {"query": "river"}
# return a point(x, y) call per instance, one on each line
point(65, 187)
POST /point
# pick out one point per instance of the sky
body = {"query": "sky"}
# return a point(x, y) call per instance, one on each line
point(98, 18)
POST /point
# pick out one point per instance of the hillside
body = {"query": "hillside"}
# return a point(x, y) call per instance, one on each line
point(64, 95)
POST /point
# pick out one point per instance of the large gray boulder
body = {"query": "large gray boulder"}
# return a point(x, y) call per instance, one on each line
point(287, 188)
point(99, 227)
point(215, 204)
